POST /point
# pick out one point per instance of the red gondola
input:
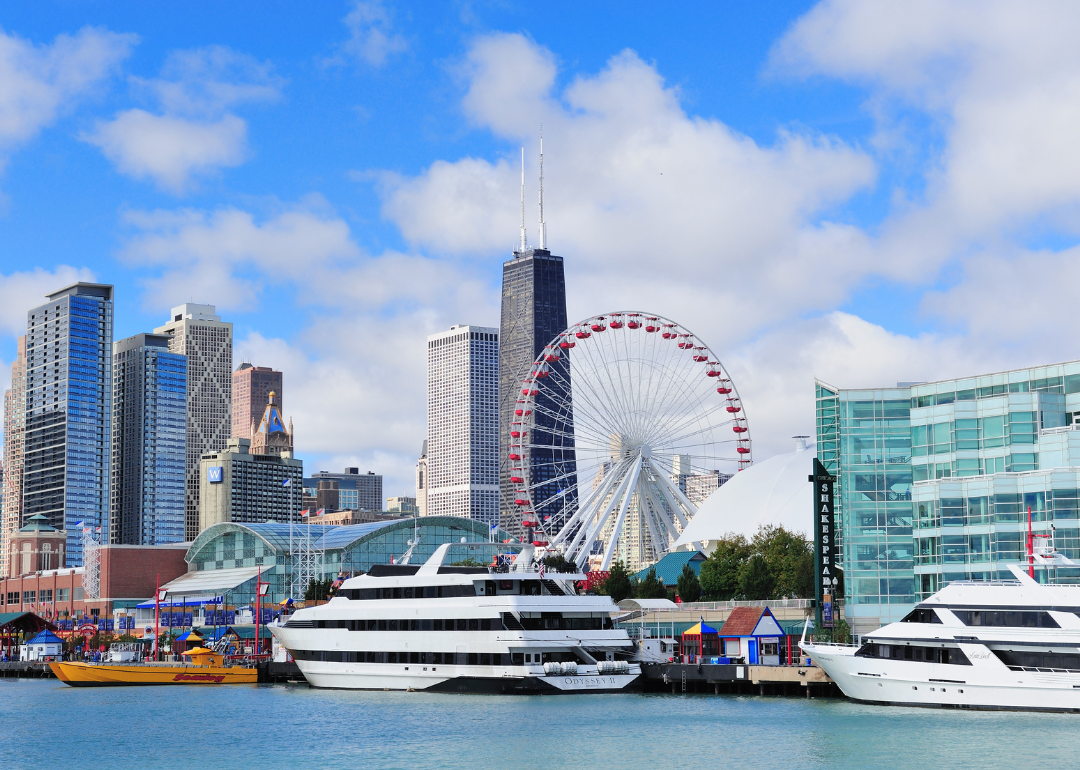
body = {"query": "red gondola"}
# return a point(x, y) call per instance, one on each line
point(714, 372)
point(740, 428)
point(515, 456)
point(743, 450)
point(517, 480)
point(616, 324)
point(734, 409)
point(530, 524)
point(540, 543)
point(650, 328)
point(633, 325)
point(723, 391)
point(566, 344)
point(599, 327)
point(583, 335)
point(542, 375)
point(552, 356)
point(522, 501)
point(518, 433)
point(699, 358)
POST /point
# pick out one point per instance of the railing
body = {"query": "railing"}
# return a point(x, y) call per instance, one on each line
point(800, 604)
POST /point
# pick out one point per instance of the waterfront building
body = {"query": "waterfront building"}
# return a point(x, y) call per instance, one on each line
point(249, 488)
point(533, 314)
point(38, 581)
point(229, 556)
point(350, 490)
point(66, 454)
point(402, 505)
point(197, 332)
point(344, 518)
point(149, 440)
point(935, 481)
point(421, 481)
point(463, 423)
point(670, 567)
point(14, 436)
point(251, 388)
point(754, 634)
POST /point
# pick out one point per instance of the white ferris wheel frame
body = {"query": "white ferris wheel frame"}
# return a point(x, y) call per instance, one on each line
point(663, 508)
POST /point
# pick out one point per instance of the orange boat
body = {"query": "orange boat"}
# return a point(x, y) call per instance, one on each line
point(206, 667)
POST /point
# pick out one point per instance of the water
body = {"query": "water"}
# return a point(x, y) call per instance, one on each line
point(44, 724)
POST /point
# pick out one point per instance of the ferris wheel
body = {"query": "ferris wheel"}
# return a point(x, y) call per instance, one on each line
point(625, 423)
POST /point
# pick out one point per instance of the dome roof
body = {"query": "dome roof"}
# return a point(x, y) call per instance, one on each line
point(775, 491)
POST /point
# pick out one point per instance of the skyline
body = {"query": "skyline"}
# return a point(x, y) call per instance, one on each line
point(848, 192)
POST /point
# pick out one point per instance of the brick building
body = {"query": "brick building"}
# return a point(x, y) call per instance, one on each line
point(128, 574)
point(251, 388)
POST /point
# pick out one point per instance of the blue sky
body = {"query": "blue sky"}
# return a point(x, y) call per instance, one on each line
point(859, 192)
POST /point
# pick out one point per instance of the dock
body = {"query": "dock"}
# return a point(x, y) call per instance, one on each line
point(20, 669)
point(804, 681)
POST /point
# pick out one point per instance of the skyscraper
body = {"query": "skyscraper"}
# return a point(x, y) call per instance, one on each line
point(463, 424)
point(421, 481)
point(69, 411)
point(196, 332)
point(14, 435)
point(533, 313)
point(251, 387)
point(149, 440)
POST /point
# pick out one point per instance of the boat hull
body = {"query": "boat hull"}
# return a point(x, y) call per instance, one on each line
point(912, 683)
point(494, 680)
point(104, 675)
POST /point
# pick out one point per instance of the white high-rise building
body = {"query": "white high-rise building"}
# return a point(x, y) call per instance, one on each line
point(463, 424)
point(198, 333)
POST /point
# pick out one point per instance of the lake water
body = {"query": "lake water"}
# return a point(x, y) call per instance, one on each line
point(45, 724)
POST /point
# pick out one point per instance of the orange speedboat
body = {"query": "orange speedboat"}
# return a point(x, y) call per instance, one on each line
point(205, 667)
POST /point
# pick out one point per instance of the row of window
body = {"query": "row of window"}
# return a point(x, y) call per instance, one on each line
point(550, 621)
point(951, 655)
point(430, 658)
point(1043, 660)
point(990, 618)
point(524, 587)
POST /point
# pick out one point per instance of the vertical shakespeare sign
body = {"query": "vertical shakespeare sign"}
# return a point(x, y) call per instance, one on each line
point(825, 572)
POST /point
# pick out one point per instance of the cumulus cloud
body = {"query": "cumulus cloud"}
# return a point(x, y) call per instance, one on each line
point(690, 212)
point(20, 291)
point(170, 150)
point(195, 135)
point(371, 33)
point(229, 254)
point(38, 83)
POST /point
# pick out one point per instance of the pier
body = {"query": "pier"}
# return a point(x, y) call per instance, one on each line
point(804, 681)
point(25, 669)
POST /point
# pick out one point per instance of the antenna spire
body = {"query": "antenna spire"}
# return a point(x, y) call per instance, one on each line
point(543, 225)
point(524, 241)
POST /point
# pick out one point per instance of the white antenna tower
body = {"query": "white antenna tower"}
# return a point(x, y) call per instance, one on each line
point(524, 241)
point(543, 225)
point(91, 564)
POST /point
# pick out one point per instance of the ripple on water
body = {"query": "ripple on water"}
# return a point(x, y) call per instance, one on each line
point(295, 727)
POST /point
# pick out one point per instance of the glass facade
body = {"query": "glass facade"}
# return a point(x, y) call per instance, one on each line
point(936, 480)
point(69, 412)
point(347, 549)
point(533, 314)
point(149, 442)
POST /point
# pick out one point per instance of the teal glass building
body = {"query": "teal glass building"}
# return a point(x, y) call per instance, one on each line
point(935, 481)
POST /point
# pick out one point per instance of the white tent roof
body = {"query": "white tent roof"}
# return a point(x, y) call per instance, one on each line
point(775, 491)
point(647, 604)
point(210, 581)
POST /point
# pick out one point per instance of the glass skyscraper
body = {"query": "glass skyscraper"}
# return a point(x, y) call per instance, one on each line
point(533, 313)
point(149, 442)
point(68, 411)
point(936, 479)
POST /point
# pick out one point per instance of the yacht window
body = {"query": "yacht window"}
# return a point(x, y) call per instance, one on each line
point(1039, 660)
point(485, 659)
point(425, 625)
point(1007, 618)
point(461, 624)
point(414, 625)
point(397, 593)
point(382, 625)
point(393, 625)
point(409, 592)
point(414, 657)
point(474, 624)
point(473, 658)
point(437, 625)
point(516, 659)
point(921, 615)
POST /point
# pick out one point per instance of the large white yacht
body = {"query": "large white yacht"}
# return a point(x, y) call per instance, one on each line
point(450, 628)
point(1010, 644)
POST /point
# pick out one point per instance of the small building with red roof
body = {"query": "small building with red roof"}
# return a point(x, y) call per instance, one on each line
point(753, 634)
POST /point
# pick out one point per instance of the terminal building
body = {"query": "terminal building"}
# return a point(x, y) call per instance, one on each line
point(935, 481)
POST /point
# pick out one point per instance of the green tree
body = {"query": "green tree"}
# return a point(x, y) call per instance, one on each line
point(617, 585)
point(689, 589)
point(790, 559)
point(556, 562)
point(317, 590)
point(719, 577)
point(650, 587)
point(756, 581)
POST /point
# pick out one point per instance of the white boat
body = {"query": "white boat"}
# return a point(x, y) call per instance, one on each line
point(449, 628)
point(1006, 644)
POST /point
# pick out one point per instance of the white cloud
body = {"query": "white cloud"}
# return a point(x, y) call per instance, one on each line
point(228, 255)
point(170, 150)
point(371, 35)
point(21, 291)
point(652, 206)
point(195, 136)
point(38, 83)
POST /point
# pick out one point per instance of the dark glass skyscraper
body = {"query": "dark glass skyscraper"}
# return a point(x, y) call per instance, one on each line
point(533, 313)
point(149, 442)
point(69, 411)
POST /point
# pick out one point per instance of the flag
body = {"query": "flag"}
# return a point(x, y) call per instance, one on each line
point(287, 483)
point(304, 513)
point(494, 527)
point(320, 512)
